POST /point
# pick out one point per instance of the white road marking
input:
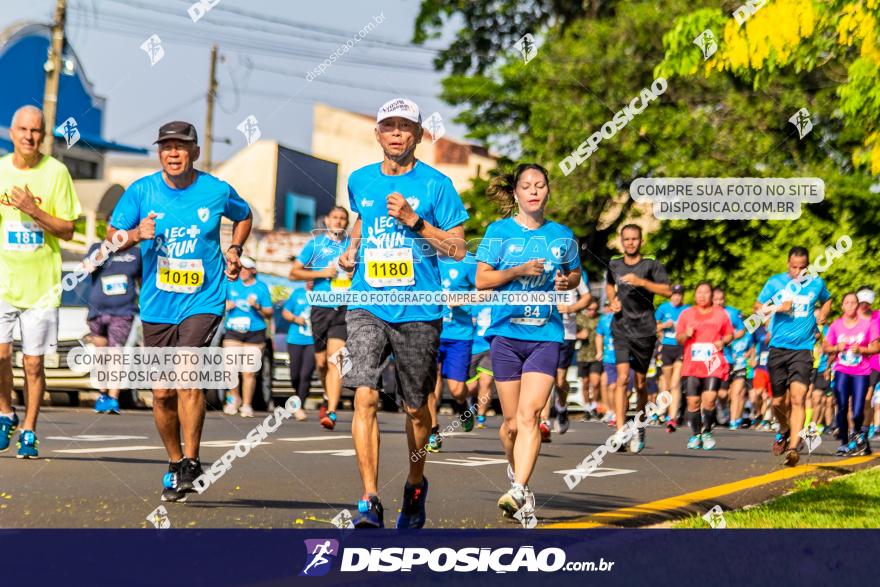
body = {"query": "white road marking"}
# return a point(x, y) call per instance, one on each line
point(78, 451)
point(600, 472)
point(95, 438)
point(226, 443)
point(470, 462)
point(343, 452)
point(308, 438)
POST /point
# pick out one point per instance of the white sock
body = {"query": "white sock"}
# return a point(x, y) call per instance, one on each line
point(10, 415)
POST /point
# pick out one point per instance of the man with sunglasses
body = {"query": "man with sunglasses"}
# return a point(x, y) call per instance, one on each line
point(38, 208)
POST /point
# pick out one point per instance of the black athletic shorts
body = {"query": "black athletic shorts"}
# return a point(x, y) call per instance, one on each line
point(566, 354)
point(670, 353)
point(635, 351)
point(587, 367)
point(327, 323)
point(694, 386)
point(788, 366)
point(252, 337)
point(194, 331)
point(733, 376)
point(820, 382)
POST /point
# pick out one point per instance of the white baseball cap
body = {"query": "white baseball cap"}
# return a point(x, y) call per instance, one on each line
point(399, 107)
point(865, 296)
point(248, 263)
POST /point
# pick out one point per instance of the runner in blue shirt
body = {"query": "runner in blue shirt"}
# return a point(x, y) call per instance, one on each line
point(456, 339)
point(407, 213)
point(605, 344)
point(318, 262)
point(760, 378)
point(248, 305)
point(671, 356)
point(792, 300)
point(731, 396)
point(175, 216)
point(480, 382)
point(525, 252)
point(112, 306)
point(300, 344)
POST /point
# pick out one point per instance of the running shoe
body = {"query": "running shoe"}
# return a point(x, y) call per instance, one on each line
point(872, 431)
point(735, 424)
point(190, 470)
point(232, 405)
point(708, 441)
point(412, 512)
point(562, 421)
point(371, 513)
point(545, 432)
point(28, 445)
point(112, 406)
point(101, 403)
point(481, 422)
point(695, 442)
point(637, 444)
point(515, 499)
point(791, 457)
point(780, 443)
point(842, 450)
point(246, 412)
point(171, 483)
point(328, 420)
point(670, 426)
point(322, 410)
point(862, 446)
point(510, 476)
point(435, 442)
point(7, 429)
point(655, 421)
point(468, 419)
point(723, 415)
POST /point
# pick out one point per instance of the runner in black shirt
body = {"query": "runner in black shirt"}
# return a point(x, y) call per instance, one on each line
point(634, 280)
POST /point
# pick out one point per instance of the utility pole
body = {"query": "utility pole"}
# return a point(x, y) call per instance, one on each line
point(209, 118)
point(53, 76)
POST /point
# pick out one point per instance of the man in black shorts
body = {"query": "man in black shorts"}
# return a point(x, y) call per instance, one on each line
point(175, 216)
point(634, 279)
point(589, 365)
point(317, 262)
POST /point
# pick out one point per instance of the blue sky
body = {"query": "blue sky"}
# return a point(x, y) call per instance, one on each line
point(265, 61)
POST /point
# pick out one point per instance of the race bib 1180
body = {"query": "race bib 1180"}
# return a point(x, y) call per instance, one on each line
point(389, 267)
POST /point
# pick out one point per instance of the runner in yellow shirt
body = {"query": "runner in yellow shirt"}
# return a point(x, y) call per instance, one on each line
point(37, 207)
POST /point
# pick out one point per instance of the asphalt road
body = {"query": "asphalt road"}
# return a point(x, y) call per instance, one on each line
point(106, 472)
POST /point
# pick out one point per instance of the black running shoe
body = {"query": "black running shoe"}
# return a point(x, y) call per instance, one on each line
point(371, 513)
point(190, 470)
point(171, 483)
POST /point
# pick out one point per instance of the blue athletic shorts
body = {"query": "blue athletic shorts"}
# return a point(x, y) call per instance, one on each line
point(454, 357)
point(511, 358)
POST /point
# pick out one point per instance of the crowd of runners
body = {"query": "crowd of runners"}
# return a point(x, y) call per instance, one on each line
point(804, 369)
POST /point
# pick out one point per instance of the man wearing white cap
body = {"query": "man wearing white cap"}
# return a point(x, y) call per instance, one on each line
point(407, 213)
point(248, 306)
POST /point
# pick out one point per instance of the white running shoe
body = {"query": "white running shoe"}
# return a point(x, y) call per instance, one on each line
point(246, 412)
point(231, 407)
point(510, 475)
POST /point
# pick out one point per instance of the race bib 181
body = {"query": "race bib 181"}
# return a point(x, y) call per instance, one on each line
point(22, 236)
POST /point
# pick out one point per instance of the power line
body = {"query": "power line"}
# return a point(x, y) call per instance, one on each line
point(323, 80)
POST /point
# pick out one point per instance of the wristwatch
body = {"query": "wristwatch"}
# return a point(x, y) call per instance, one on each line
point(419, 225)
point(238, 249)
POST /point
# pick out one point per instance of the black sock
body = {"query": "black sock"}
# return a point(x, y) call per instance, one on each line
point(708, 420)
point(696, 422)
point(435, 429)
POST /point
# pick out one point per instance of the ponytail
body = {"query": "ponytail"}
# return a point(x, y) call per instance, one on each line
point(502, 188)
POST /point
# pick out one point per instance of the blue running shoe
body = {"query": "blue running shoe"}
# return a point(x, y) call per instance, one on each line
point(7, 429)
point(171, 490)
point(372, 514)
point(101, 403)
point(468, 418)
point(481, 421)
point(435, 442)
point(695, 442)
point(112, 406)
point(412, 513)
point(872, 431)
point(28, 445)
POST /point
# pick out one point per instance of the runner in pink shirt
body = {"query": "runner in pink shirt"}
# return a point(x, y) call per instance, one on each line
point(865, 296)
point(703, 330)
point(853, 338)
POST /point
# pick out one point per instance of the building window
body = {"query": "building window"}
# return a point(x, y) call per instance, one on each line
point(299, 213)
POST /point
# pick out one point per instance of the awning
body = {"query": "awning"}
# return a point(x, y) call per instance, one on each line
point(100, 144)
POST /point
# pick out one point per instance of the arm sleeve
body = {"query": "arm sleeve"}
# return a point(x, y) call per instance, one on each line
point(681, 324)
point(658, 314)
point(728, 326)
point(489, 251)
point(449, 211)
point(766, 293)
point(737, 322)
point(290, 304)
point(831, 337)
point(236, 208)
point(352, 199)
point(127, 214)
point(264, 297)
point(65, 203)
point(609, 275)
point(824, 295)
point(306, 254)
point(658, 273)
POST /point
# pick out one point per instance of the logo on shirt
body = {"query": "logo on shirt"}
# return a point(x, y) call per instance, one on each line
point(365, 203)
point(159, 215)
point(204, 214)
point(514, 249)
point(413, 202)
point(557, 252)
point(453, 273)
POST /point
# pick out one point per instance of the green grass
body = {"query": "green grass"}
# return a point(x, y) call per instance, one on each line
point(852, 501)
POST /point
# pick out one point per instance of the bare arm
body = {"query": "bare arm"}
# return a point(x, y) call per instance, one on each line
point(23, 200)
point(489, 278)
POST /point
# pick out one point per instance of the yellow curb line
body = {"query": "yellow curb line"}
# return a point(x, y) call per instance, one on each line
point(687, 499)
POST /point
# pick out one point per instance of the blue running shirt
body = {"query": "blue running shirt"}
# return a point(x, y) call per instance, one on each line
point(603, 328)
point(298, 305)
point(244, 317)
point(508, 244)
point(183, 267)
point(794, 330)
point(455, 275)
point(482, 316)
point(390, 256)
point(319, 253)
point(665, 312)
